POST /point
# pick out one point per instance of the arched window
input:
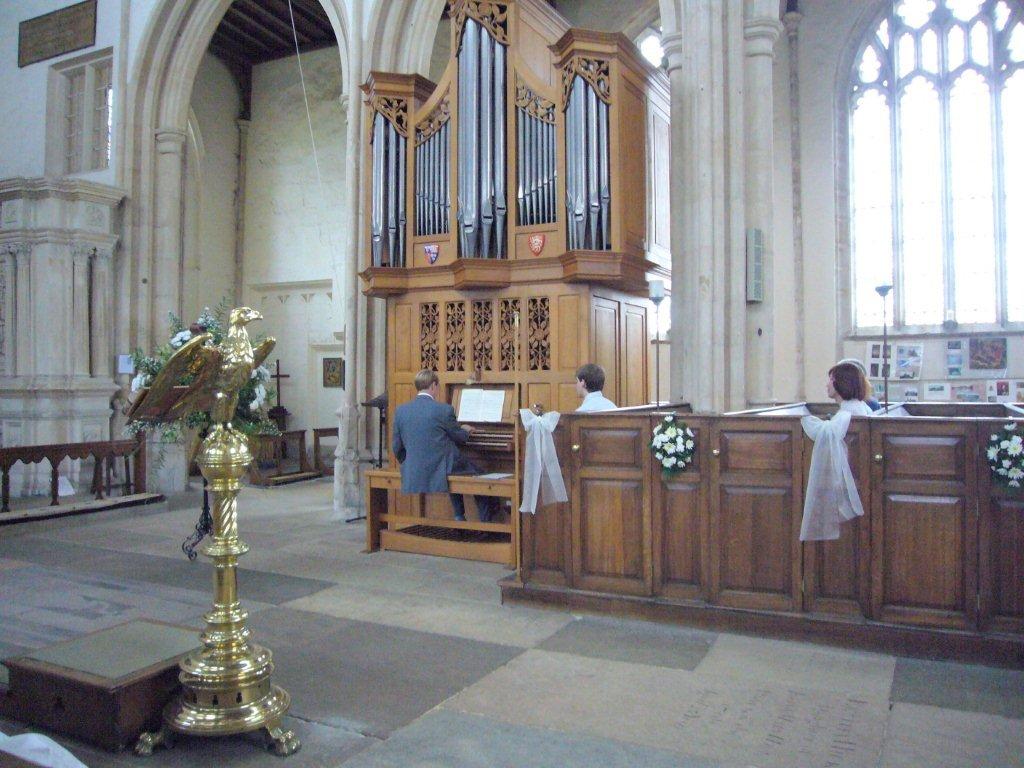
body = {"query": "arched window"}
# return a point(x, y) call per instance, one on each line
point(936, 127)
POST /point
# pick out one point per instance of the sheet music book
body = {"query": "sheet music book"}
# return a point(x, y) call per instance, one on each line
point(481, 405)
point(495, 476)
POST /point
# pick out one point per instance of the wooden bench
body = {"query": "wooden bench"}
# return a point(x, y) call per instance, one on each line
point(469, 540)
point(270, 449)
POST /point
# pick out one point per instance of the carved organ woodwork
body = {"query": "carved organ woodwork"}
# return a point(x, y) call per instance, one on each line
point(516, 207)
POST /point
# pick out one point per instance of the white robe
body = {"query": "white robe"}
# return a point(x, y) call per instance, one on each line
point(594, 402)
point(831, 496)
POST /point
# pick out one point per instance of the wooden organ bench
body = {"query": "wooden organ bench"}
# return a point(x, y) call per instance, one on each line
point(424, 524)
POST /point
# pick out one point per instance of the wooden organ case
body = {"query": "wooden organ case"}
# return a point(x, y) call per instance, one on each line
point(517, 209)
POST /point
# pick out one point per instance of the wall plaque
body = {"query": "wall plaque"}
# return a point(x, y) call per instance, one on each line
point(334, 372)
point(52, 34)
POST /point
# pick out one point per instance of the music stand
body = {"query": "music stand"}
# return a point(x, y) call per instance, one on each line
point(380, 402)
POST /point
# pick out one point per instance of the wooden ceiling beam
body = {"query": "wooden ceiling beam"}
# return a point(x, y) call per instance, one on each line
point(272, 20)
point(302, 49)
point(314, 13)
point(231, 26)
point(311, 28)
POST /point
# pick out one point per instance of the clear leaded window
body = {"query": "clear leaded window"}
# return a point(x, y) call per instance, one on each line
point(87, 113)
point(937, 164)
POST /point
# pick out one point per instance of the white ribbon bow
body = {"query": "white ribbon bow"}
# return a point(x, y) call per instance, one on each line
point(831, 495)
point(541, 471)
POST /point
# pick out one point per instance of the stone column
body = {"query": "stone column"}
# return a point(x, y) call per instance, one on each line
point(791, 20)
point(706, 202)
point(243, 155)
point(79, 332)
point(7, 320)
point(101, 364)
point(22, 327)
point(167, 242)
point(347, 496)
point(761, 29)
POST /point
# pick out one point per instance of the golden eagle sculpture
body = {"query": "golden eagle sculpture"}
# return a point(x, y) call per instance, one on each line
point(215, 375)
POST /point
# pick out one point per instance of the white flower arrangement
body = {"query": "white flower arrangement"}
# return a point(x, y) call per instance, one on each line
point(673, 444)
point(1005, 454)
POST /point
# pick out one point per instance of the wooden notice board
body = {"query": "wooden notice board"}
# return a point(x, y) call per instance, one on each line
point(56, 33)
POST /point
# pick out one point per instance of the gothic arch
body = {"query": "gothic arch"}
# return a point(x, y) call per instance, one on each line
point(162, 72)
point(401, 33)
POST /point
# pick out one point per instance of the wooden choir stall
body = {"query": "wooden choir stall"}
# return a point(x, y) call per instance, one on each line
point(933, 567)
point(517, 211)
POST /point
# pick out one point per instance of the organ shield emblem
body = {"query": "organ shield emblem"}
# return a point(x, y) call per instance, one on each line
point(432, 252)
point(537, 244)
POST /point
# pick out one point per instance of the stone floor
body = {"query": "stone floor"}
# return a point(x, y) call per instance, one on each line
point(403, 660)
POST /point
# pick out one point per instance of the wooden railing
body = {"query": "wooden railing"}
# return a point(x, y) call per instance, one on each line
point(104, 453)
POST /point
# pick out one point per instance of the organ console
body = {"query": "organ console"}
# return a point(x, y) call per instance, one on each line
point(517, 208)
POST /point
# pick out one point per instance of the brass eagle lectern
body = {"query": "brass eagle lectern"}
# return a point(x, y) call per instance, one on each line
point(226, 686)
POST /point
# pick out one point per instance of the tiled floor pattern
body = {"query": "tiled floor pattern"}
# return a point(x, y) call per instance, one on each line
point(405, 660)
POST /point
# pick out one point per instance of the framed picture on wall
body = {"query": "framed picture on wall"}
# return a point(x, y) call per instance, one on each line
point(988, 354)
point(334, 372)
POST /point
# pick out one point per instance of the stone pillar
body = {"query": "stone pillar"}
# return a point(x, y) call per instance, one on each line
point(80, 332)
point(243, 157)
point(167, 242)
point(708, 322)
point(761, 29)
point(7, 285)
point(102, 291)
point(791, 20)
point(22, 325)
point(347, 495)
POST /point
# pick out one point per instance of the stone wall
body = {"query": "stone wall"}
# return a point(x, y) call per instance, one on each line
point(293, 225)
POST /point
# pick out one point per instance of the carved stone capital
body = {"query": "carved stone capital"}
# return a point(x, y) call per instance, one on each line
point(761, 34)
point(19, 250)
point(672, 45)
point(80, 251)
point(170, 141)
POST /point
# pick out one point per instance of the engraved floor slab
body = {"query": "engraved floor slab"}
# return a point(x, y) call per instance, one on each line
point(726, 720)
point(454, 740)
point(43, 605)
point(174, 571)
point(471, 619)
point(798, 665)
point(322, 747)
point(960, 686)
point(369, 678)
point(639, 642)
point(944, 738)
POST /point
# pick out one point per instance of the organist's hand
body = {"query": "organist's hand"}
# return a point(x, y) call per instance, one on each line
point(468, 428)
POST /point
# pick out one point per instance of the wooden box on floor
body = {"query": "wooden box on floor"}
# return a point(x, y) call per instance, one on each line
point(105, 688)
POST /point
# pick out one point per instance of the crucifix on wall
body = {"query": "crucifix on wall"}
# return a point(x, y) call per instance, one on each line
point(279, 414)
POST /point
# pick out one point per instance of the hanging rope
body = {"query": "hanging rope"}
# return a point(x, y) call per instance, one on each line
point(305, 98)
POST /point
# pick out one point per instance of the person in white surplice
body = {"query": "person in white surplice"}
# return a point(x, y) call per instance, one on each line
point(831, 495)
point(589, 386)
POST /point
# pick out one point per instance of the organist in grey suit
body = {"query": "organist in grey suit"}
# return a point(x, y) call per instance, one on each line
point(426, 443)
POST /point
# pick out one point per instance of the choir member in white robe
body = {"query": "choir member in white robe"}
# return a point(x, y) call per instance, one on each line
point(831, 496)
